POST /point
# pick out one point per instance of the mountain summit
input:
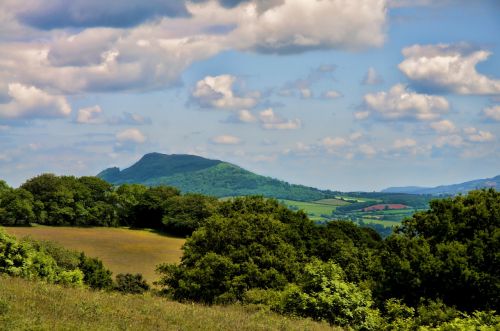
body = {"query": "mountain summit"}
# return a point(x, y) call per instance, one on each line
point(196, 174)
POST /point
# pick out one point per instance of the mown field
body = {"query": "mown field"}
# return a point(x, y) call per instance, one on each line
point(26, 305)
point(316, 210)
point(122, 250)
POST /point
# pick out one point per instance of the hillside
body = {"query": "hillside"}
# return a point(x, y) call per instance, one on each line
point(196, 174)
point(448, 189)
point(27, 305)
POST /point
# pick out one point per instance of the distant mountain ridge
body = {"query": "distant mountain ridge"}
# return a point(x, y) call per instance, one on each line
point(453, 189)
point(196, 174)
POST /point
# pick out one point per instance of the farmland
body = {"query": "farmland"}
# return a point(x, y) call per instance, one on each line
point(122, 250)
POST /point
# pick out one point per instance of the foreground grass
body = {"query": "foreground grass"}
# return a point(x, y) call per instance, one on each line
point(122, 250)
point(26, 305)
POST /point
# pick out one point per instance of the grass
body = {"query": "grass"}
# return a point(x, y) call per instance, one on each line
point(332, 202)
point(121, 250)
point(313, 209)
point(27, 305)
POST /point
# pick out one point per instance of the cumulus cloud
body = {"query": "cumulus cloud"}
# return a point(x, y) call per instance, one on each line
point(454, 140)
point(401, 103)
point(302, 87)
point(448, 67)
point(331, 94)
point(492, 113)
point(478, 136)
point(444, 126)
point(271, 121)
point(218, 92)
point(246, 116)
point(372, 77)
point(131, 135)
point(29, 102)
point(90, 115)
point(54, 14)
point(404, 143)
point(293, 26)
point(226, 140)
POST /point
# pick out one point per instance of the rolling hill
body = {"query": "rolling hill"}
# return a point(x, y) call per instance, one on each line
point(196, 174)
point(448, 189)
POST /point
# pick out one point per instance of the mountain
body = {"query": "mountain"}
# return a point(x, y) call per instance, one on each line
point(448, 189)
point(196, 174)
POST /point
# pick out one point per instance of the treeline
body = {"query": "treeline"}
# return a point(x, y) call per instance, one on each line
point(89, 201)
point(439, 270)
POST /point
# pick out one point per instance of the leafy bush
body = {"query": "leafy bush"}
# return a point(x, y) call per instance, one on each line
point(129, 283)
point(95, 275)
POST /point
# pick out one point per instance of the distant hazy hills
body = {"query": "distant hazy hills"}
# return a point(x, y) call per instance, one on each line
point(448, 189)
point(196, 174)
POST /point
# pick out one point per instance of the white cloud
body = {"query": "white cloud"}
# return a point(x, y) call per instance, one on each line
point(450, 140)
point(367, 150)
point(306, 93)
point(331, 94)
point(400, 103)
point(271, 121)
point(372, 77)
point(131, 135)
point(226, 140)
point(294, 26)
point(478, 136)
point(444, 126)
point(361, 115)
point(448, 67)
point(492, 112)
point(404, 143)
point(27, 102)
point(217, 92)
point(90, 115)
point(332, 143)
point(246, 116)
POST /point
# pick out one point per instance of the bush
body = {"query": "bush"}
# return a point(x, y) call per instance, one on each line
point(129, 283)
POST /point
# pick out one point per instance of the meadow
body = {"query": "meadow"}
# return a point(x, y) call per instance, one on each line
point(122, 250)
point(27, 305)
point(316, 210)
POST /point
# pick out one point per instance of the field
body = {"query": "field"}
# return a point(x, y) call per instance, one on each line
point(317, 211)
point(122, 250)
point(26, 305)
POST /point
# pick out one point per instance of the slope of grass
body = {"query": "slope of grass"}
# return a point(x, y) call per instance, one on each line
point(26, 305)
point(122, 250)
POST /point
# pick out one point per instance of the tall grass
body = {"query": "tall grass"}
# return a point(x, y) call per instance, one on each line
point(28, 305)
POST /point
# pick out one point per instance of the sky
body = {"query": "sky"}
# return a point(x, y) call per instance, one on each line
point(337, 94)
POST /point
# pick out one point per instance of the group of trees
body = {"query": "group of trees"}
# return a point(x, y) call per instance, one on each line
point(437, 267)
point(89, 201)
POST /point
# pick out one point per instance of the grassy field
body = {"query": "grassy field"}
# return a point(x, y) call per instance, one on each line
point(26, 305)
point(313, 209)
point(122, 250)
point(332, 202)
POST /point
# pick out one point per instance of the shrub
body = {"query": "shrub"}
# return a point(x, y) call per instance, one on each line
point(129, 283)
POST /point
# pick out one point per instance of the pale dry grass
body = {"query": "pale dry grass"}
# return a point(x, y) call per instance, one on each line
point(121, 250)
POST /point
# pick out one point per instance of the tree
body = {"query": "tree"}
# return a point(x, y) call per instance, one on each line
point(449, 252)
point(95, 275)
point(16, 207)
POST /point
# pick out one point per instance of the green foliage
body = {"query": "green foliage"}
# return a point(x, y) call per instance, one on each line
point(252, 243)
point(67, 200)
point(323, 293)
point(16, 207)
point(129, 283)
point(95, 275)
point(449, 253)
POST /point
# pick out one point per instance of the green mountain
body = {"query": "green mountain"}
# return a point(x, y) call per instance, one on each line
point(196, 174)
point(449, 189)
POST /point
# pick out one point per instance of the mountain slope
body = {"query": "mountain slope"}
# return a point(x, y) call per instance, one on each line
point(195, 174)
point(448, 189)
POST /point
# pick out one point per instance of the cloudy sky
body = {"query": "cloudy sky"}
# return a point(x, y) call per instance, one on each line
point(338, 94)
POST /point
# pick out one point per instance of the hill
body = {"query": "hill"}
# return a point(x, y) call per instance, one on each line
point(28, 305)
point(196, 174)
point(448, 189)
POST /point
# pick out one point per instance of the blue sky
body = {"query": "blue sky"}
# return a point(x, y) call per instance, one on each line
point(344, 95)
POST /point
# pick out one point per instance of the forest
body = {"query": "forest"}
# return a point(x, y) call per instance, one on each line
point(439, 270)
